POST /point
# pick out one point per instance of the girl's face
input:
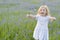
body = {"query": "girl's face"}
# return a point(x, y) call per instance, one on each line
point(43, 11)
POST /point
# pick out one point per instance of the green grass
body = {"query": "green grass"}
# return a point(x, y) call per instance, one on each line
point(14, 29)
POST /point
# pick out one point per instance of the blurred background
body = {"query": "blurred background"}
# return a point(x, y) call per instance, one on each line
point(14, 25)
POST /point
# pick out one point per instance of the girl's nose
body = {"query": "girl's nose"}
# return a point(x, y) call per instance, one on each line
point(42, 11)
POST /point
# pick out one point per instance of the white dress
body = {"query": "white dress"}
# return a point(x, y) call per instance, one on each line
point(41, 29)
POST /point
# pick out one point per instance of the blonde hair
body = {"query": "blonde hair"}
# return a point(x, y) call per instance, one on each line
point(47, 10)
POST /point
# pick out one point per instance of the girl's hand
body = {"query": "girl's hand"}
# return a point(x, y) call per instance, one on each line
point(29, 15)
point(54, 18)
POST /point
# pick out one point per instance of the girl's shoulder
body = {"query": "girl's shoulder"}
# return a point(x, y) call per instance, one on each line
point(48, 16)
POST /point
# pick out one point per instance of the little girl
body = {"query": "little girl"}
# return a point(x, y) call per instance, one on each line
point(41, 30)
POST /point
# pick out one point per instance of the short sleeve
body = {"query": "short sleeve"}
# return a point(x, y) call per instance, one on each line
point(48, 18)
point(36, 17)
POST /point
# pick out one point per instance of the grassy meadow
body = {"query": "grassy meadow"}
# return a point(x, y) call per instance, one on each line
point(14, 25)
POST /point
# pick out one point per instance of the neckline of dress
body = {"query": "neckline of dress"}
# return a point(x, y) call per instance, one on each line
point(42, 16)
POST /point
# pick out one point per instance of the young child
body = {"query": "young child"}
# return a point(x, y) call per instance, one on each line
point(41, 30)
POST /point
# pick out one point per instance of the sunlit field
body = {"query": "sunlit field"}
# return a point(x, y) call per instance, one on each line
point(14, 25)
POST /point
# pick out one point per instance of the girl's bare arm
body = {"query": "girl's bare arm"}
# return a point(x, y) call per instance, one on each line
point(31, 16)
point(52, 18)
